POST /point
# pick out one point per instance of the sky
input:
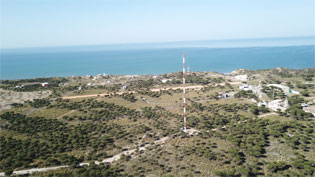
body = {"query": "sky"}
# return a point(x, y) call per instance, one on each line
point(42, 23)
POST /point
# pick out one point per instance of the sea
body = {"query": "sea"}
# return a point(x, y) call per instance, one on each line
point(222, 56)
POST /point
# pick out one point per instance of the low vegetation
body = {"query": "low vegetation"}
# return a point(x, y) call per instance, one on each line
point(234, 136)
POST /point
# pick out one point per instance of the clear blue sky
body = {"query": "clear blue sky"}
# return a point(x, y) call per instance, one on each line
point(40, 23)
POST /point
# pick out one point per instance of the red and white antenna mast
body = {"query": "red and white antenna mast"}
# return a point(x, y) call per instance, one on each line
point(184, 92)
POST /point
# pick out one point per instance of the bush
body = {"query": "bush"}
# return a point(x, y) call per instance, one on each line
point(38, 103)
point(277, 166)
point(8, 172)
point(254, 109)
point(305, 93)
point(129, 97)
point(226, 173)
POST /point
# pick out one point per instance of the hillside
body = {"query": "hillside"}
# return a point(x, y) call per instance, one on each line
point(114, 125)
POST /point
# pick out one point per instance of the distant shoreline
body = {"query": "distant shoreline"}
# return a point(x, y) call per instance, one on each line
point(217, 43)
point(153, 61)
point(133, 75)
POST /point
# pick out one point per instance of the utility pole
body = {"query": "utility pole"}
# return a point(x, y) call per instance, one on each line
point(184, 93)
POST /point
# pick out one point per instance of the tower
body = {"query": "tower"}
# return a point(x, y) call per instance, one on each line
point(184, 93)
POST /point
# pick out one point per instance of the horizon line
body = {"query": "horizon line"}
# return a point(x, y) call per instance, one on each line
point(165, 42)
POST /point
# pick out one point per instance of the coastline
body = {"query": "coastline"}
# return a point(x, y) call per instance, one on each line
point(153, 61)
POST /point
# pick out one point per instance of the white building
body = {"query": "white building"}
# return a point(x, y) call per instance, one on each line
point(278, 104)
point(263, 103)
point(223, 95)
point(241, 77)
point(310, 109)
point(305, 104)
point(294, 91)
point(285, 89)
point(44, 84)
point(166, 80)
point(245, 87)
point(253, 100)
point(131, 76)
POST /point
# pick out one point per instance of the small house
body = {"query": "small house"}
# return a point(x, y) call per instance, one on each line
point(245, 87)
point(223, 95)
point(166, 80)
point(44, 84)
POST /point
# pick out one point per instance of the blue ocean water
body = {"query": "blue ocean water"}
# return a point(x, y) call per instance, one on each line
point(18, 64)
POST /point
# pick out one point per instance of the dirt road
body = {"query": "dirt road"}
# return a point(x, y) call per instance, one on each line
point(161, 141)
point(108, 160)
point(120, 93)
point(269, 114)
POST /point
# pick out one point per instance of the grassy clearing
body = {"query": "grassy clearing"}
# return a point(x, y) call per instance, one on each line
point(16, 109)
point(278, 118)
point(14, 135)
point(50, 113)
point(89, 91)
point(120, 101)
point(277, 151)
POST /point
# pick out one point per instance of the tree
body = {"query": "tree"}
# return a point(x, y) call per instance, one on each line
point(305, 93)
point(254, 109)
point(8, 172)
point(276, 166)
point(295, 100)
point(226, 173)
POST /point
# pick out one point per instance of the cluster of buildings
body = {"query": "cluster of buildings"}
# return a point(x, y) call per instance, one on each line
point(98, 76)
point(224, 95)
point(241, 77)
point(274, 105)
point(163, 80)
point(44, 84)
point(253, 88)
point(284, 88)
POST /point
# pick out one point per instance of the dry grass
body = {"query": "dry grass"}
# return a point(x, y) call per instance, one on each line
point(89, 91)
point(55, 113)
